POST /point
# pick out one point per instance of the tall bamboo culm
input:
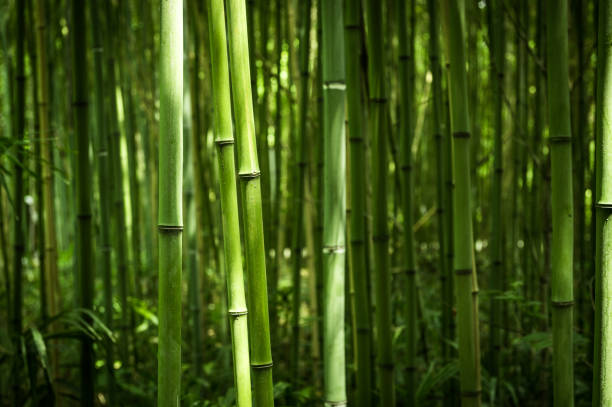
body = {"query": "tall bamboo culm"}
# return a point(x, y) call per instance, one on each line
point(497, 39)
point(19, 211)
point(170, 209)
point(46, 146)
point(406, 82)
point(101, 148)
point(378, 133)
point(602, 384)
point(299, 177)
point(562, 296)
point(224, 140)
point(83, 193)
point(250, 186)
point(463, 265)
point(357, 173)
point(334, 202)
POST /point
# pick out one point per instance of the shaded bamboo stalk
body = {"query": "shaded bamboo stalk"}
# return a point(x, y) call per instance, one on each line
point(360, 301)
point(170, 214)
point(251, 195)
point(562, 296)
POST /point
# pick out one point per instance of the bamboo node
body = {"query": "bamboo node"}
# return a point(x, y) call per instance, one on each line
point(461, 134)
point(170, 228)
point(560, 139)
point(335, 249)
point(463, 272)
point(261, 365)
point(603, 205)
point(249, 175)
point(336, 403)
point(237, 313)
point(562, 304)
point(471, 393)
point(386, 366)
point(335, 85)
point(380, 238)
point(224, 142)
point(378, 100)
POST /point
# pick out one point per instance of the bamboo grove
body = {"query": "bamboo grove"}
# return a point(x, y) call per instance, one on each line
point(306, 203)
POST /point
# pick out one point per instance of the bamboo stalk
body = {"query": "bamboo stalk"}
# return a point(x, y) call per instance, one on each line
point(464, 266)
point(250, 186)
point(357, 174)
point(224, 141)
point(102, 154)
point(83, 188)
point(170, 221)
point(562, 297)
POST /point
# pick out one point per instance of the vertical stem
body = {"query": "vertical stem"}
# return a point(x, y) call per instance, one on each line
point(602, 387)
point(229, 202)
point(464, 266)
point(170, 213)
point(334, 202)
point(83, 188)
point(248, 172)
point(361, 304)
point(562, 296)
point(379, 134)
point(101, 152)
point(497, 61)
point(406, 76)
point(300, 173)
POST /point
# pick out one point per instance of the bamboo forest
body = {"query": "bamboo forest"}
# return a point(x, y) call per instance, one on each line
point(306, 203)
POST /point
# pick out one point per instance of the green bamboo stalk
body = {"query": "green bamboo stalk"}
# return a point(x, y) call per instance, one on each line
point(334, 202)
point(602, 388)
point(101, 145)
point(46, 146)
point(379, 134)
point(562, 297)
point(444, 207)
point(224, 141)
point(497, 61)
point(262, 133)
point(248, 172)
point(195, 193)
point(170, 221)
point(299, 179)
point(83, 188)
point(406, 100)
point(18, 210)
point(355, 109)
point(116, 172)
point(464, 266)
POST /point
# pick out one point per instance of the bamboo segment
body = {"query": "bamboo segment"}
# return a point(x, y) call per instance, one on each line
point(378, 131)
point(102, 154)
point(298, 194)
point(83, 188)
point(250, 186)
point(602, 385)
point(334, 203)
point(562, 296)
point(229, 202)
point(170, 209)
point(357, 173)
point(464, 268)
point(497, 38)
point(406, 81)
